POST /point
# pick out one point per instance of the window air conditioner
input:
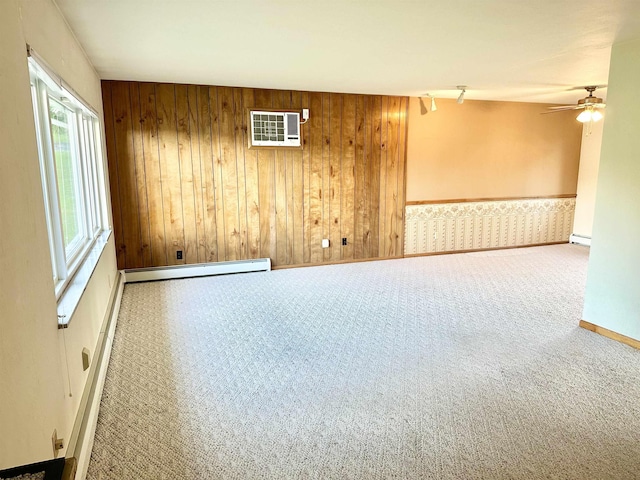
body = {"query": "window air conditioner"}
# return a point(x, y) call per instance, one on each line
point(275, 129)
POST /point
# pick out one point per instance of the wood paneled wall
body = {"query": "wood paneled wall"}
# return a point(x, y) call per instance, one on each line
point(183, 178)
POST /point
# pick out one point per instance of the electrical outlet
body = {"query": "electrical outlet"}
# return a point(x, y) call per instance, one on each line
point(325, 243)
point(179, 254)
point(344, 240)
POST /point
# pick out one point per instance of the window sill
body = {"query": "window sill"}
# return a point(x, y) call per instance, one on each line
point(70, 298)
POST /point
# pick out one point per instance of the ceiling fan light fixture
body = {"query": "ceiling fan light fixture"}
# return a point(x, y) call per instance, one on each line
point(589, 114)
point(585, 116)
point(461, 96)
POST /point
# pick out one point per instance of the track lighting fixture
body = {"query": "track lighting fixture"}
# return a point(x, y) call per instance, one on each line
point(463, 91)
point(423, 107)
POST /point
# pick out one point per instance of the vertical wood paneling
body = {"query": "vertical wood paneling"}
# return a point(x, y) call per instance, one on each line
point(335, 177)
point(377, 174)
point(125, 158)
point(280, 101)
point(190, 253)
point(252, 182)
point(197, 177)
point(402, 176)
point(306, 170)
point(240, 126)
point(316, 145)
point(207, 184)
point(347, 170)
point(229, 173)
point(140, 174)
point(385, 181)
point(114, 182)
point(360, 194)
point(149, 133)
point(266, 161)
point(391, 195)
point(221, 238)
point(183, 178)
point(297, 183)
point(371, 187)
point(170, 172)
point(326, 172)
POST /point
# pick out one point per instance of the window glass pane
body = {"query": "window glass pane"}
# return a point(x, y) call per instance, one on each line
point(97, 171)
point(87, 150)
point(66, 173)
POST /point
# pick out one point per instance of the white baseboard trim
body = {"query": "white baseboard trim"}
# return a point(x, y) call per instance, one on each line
point(580, 240)
point(196, 270)
point(89, 418)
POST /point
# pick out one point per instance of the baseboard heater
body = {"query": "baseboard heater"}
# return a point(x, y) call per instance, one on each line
point(580, 240)
point(196, 270)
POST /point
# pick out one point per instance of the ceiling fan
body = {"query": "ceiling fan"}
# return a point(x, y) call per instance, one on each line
point(589, 106)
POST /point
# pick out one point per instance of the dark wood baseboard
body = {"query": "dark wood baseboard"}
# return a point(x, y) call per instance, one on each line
point(52, 469)
point(335, 262)
point(428, 254)
point(605, 332)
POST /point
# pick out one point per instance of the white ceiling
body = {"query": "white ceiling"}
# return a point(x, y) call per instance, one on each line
point(520, 50)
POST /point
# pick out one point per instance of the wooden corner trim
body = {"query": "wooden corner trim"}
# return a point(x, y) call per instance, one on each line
point(605, 332)
point(70, 468)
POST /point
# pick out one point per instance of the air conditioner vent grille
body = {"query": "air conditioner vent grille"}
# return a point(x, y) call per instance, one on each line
point(268, 127)
point(275, 129)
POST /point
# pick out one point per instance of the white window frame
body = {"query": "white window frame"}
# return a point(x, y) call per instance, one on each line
point(88, 171)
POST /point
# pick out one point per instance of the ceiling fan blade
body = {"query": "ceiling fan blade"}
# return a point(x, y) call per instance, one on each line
point(558, 111)
point(567, 107)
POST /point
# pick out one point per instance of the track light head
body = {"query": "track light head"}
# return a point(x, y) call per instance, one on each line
point(423, 107)
point(463, 89)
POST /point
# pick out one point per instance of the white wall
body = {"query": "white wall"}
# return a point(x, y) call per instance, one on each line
point(34, 391)
point(588, 178)
point(612, 298)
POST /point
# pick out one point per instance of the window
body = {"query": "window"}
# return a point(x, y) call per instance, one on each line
point(71, 164)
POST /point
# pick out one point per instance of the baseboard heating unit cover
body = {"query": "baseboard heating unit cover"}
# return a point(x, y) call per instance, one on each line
point(197, 270)
point(580, 240)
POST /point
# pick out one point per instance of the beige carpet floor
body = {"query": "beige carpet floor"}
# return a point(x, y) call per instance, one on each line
point(468, 366)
